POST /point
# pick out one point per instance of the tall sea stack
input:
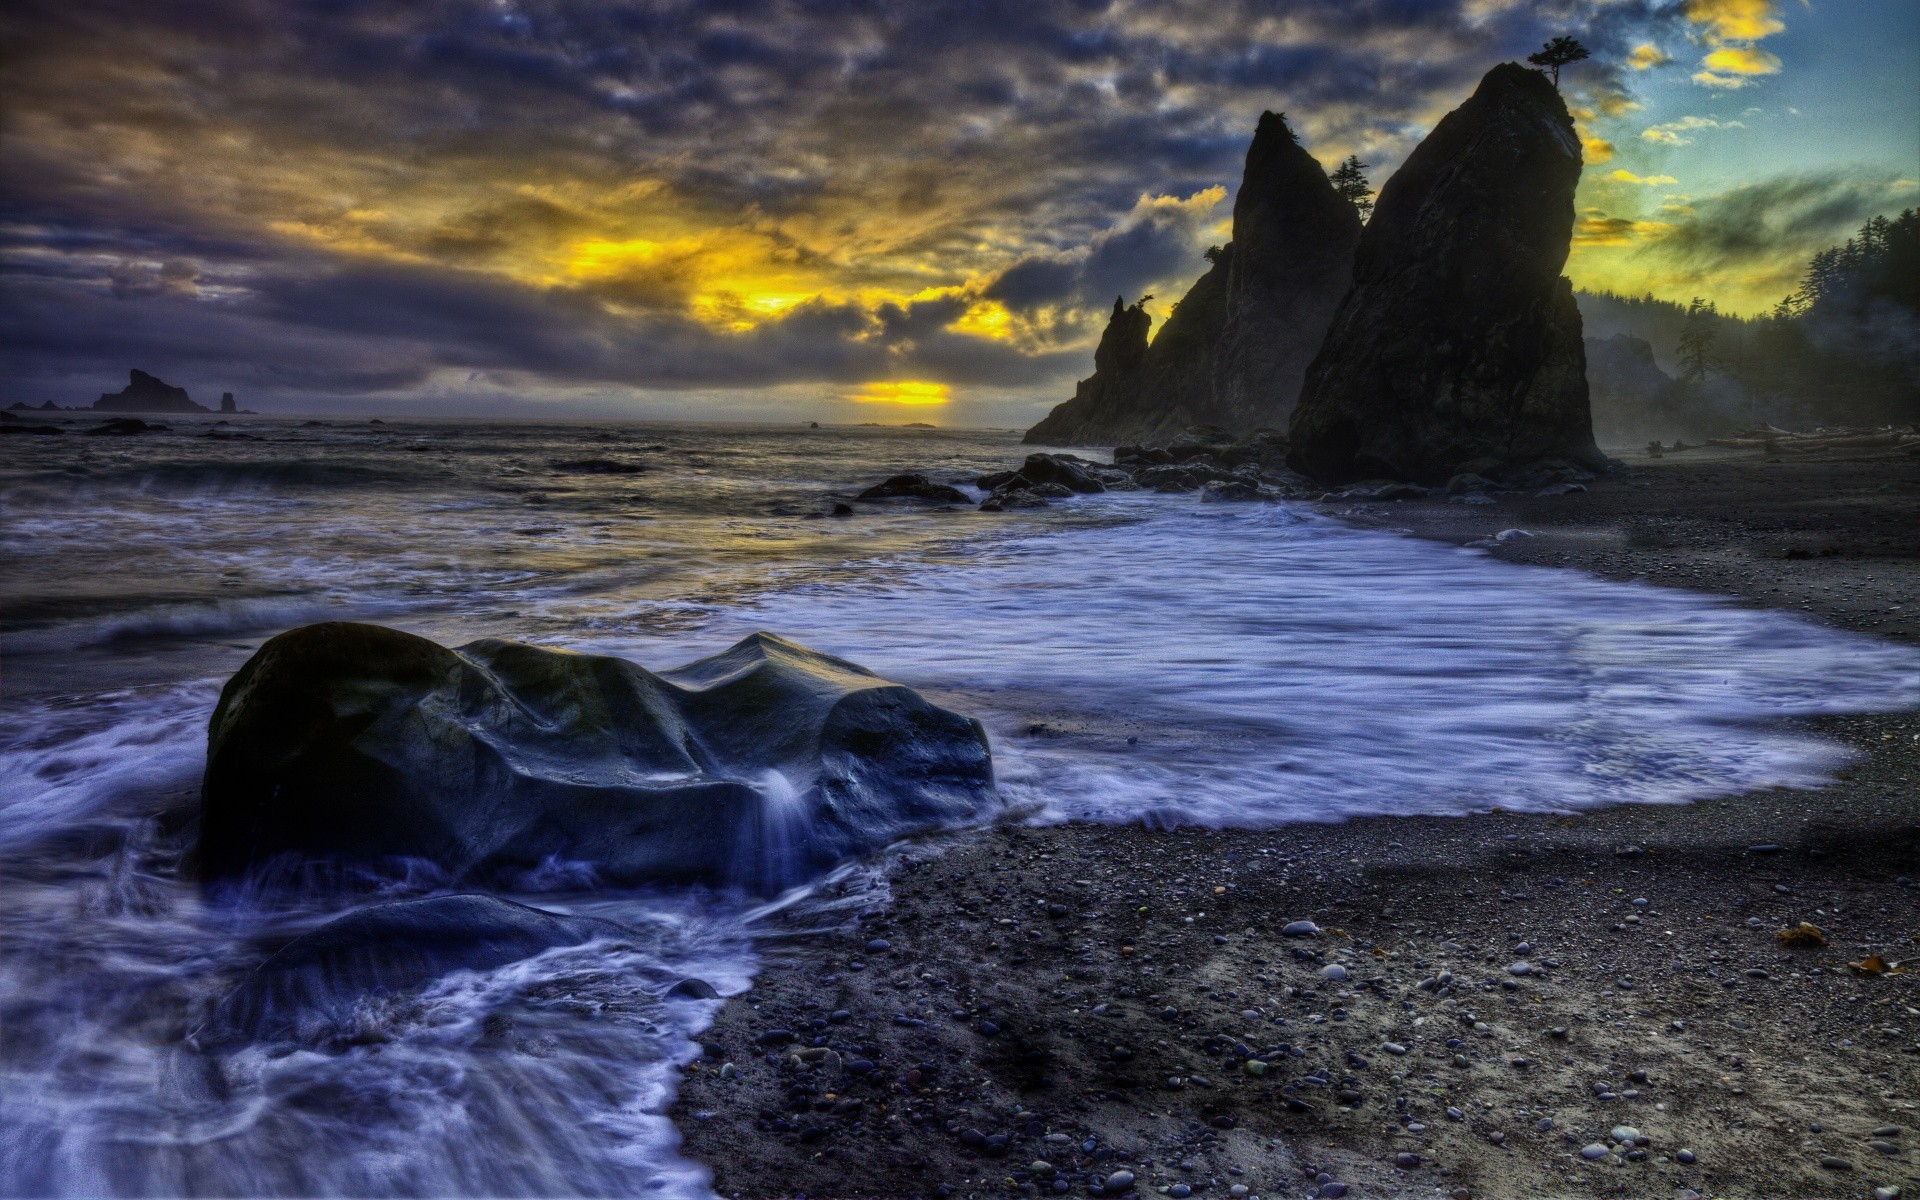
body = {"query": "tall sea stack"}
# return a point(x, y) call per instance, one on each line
point(1293, 245)
point(1234, 349)
point(1460, 339)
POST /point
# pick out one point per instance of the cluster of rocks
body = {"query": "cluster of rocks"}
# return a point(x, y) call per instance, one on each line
point(1217, 465)
point(1441, 335)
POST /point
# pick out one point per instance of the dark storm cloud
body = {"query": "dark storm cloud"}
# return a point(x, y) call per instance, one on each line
point(343, 195)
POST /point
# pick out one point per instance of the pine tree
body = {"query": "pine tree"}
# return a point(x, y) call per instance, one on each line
point(1559, 52)
point(1697, 359)
point(1349, 180)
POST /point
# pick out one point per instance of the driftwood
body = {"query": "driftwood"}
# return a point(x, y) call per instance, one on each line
point(1777, 441)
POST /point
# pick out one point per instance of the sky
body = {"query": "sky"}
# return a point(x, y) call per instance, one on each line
point(837, 210)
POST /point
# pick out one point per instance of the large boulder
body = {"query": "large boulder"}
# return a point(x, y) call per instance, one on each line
point(1234, 349)
point(144, 393)
point(1459, 339)
point(357, 746)
point(313, 987)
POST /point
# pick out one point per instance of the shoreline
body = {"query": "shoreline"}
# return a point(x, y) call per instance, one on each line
point(979, 1030)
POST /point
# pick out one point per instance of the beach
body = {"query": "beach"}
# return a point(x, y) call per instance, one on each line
point(1091, 994)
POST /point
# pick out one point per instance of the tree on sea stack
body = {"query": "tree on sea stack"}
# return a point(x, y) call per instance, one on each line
point(1349, 179)
point(1560, 52)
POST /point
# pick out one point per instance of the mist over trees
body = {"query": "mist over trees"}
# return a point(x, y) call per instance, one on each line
point(1842, 349)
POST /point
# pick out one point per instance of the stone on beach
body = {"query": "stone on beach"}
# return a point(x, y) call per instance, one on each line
point(360, 745)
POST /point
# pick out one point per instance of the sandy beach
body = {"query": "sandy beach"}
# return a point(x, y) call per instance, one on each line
point(1500, 1005)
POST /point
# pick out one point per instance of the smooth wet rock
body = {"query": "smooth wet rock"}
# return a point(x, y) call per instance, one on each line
point(1594, 1152)
point(1300, 929)
point(357, 746)
point(312, 986)
point(1459, 339)
point(693, 989)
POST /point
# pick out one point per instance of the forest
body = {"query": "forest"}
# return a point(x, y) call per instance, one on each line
point(1842, 349)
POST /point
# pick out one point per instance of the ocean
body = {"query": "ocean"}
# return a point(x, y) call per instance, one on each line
point(1134, 657)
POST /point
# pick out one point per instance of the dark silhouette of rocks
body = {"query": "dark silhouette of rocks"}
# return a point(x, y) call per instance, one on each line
point(1110, 397)
point(915, 487)
point(1061, 469)
point(354, 746)
point(124, 427)
point(1459, 340)
point(1234, 350)
point(227, 405)
point(145, 394)
point(1293, 245)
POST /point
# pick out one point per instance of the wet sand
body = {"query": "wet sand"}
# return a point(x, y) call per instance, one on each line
point(1486, 998)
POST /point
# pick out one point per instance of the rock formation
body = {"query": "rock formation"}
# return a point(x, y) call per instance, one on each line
point(1293, 245)
point(144, 393)
point(1459, 340)
point(227, 405)
point(1110, 396)
point(1233, 351)
point(358, 746)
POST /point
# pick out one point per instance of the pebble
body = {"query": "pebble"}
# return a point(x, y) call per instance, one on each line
point(1455, 1114)
point(1545, 1124)
point(1335, 972)
point(1119, 1181)
point(1887, 1131)
point(879, 946)
point(1687, 1156)
point(1624, 1133)
point(1497, 1138)
point(1394, 1048)
point(1180, 1191)
point(1332, 1191)
point(1883, 1146)
point(1886, 1193)
point(1406, 1160)
point(1833, 1162)
point(1593, 1152)
point(1520, 968)
point(1300, 929)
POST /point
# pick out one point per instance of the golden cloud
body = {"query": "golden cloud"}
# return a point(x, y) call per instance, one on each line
point(1742, 60)
point(1598, 149)
point(1735, 20)
point(1647, 56)
point(1595, 228)
point(1625, 176)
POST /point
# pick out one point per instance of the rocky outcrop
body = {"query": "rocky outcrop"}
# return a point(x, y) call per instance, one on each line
point(1293, 245)
point(353, 746)
point(915, 487)
point(1459, 340)
point(145, 394)
point(314, 986)
point(1111, 395)
point(1233, 351)
point(227, 405)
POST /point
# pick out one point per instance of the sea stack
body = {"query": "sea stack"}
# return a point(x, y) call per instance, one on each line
point(1109, 398)
point(1233, 351)
point(146, 394)
point(1293, 244)
point(1459, 340)
point(226, 403)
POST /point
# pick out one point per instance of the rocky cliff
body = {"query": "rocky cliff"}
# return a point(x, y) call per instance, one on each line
point(145, 394)
point(1234, 350)
point(1459, 340)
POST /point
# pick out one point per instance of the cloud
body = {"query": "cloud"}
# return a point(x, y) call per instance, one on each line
point(354, 197)
point(1789, 217)
point(1596, 228)
point(1735, 20)
point(1730, 28)
point(1647, 56)
point(1622, 175)
point(1673, 133)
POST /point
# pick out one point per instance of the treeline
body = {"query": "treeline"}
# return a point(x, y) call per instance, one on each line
point(1843, 349)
